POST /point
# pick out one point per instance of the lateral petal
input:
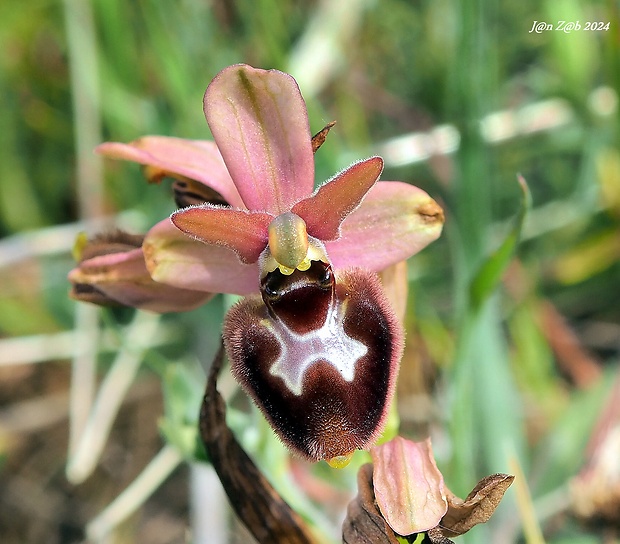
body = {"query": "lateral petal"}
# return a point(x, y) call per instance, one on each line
point(327, 208)
point(260, 124)
point(242, 231)
point(394, 222)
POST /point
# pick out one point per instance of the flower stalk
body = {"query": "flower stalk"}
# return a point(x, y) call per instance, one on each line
point(257, 504)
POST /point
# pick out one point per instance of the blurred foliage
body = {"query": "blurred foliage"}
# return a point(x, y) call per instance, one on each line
point(500, 384)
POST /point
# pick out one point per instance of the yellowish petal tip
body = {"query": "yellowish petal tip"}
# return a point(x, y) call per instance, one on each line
point(286, 270)
point(304, 265)
point(340, 461)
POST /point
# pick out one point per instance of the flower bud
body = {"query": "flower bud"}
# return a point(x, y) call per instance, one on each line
point(111, 271)
point(409, 488)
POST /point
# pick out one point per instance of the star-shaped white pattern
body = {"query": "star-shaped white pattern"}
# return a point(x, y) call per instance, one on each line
point(330, 343)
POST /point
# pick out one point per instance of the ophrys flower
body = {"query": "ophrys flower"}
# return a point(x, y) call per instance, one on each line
point(318, 350)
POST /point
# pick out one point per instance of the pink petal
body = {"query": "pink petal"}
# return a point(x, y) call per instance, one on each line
point(408, 486)
point(195, 159)
point(395, 221)
point(260, 124)
point(123, 277)
point(242, 231)
point(325, 210)
point(176, 259)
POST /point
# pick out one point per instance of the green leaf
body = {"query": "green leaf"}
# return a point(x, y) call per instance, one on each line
point(490, 273)
point(183, 392)
point(183, 437)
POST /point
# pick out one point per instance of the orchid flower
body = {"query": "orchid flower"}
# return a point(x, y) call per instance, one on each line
point(315, 342)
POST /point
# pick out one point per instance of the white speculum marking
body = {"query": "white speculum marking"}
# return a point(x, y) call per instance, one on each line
point(300, 351)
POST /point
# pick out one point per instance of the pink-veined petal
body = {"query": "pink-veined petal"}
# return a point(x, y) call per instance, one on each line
point(260, 124)
point(395, 221)
point(194, 159)
point(123, 278)
point(242, 231)
point(327, 208)
point(408, 486)
point(176, 259)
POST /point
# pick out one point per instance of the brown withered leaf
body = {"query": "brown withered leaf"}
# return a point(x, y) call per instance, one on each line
point(259, 506)
point(319, 138)
point(477, 508)
point(435, 536)
point(364, 523)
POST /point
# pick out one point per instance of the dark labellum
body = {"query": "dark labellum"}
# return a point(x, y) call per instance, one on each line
point(319, 355)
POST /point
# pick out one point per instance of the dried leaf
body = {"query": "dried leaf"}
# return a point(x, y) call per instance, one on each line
point(268, 517)
point(364, 523)
point(477, 507)
point(319, 138)
point(436, 537)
